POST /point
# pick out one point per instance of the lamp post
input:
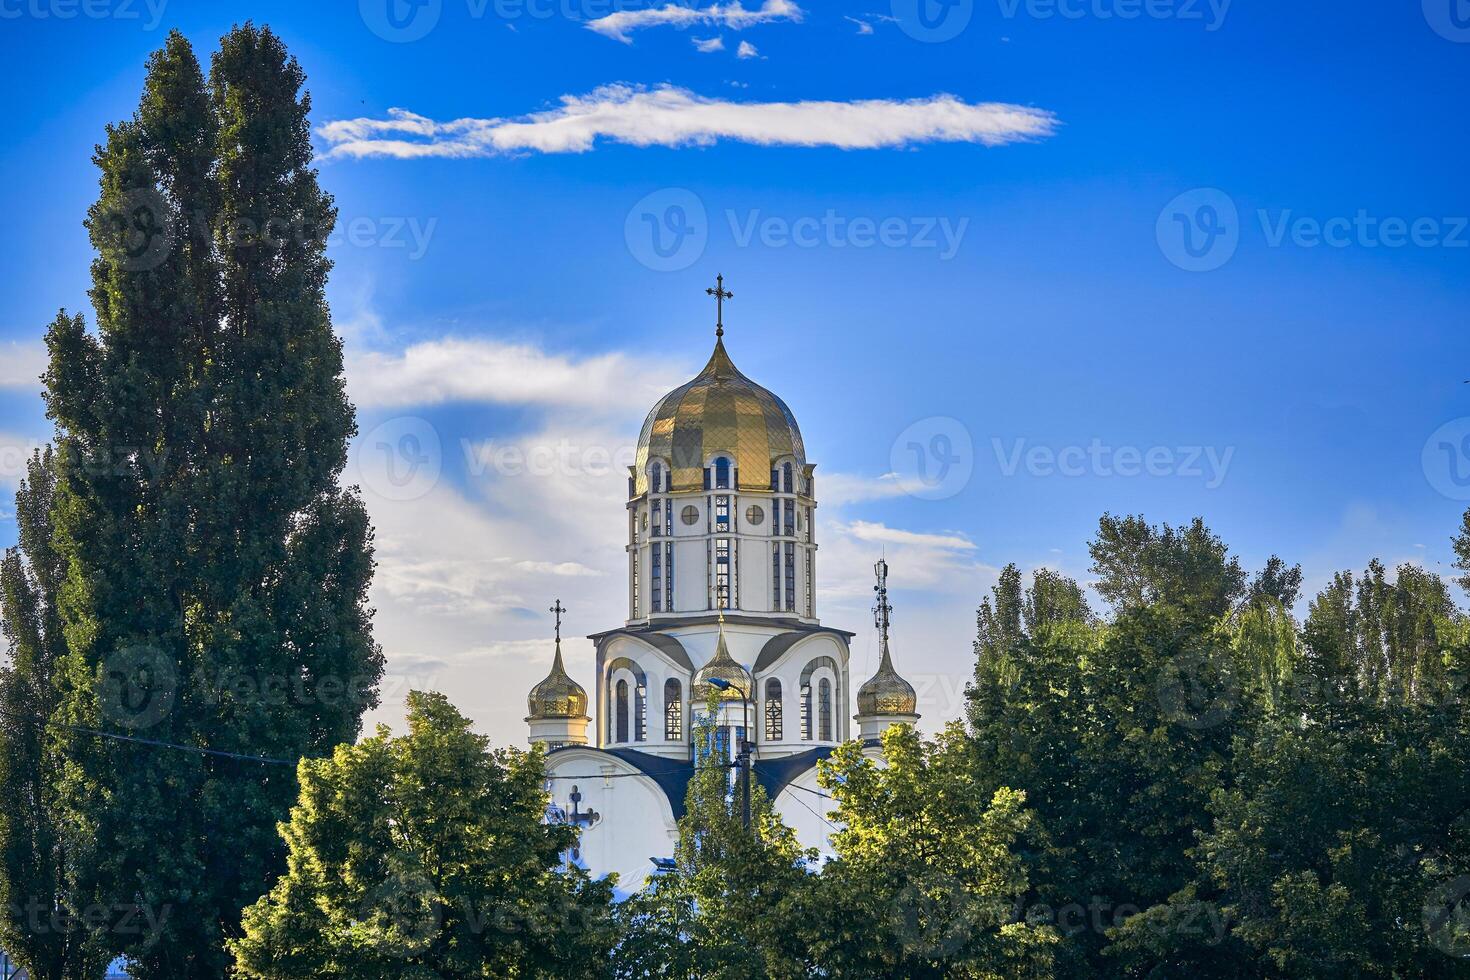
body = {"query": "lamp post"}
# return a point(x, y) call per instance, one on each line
point(743, 762)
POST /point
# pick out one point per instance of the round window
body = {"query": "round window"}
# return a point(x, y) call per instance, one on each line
point(754, 515)
point(689, 515)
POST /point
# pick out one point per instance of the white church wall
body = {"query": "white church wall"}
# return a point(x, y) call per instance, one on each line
point(806, 813)
point(635, 822)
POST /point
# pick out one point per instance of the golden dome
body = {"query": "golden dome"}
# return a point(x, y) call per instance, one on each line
point(723, 667)
point(558, 696)
point(886, 693)
point(721, 410)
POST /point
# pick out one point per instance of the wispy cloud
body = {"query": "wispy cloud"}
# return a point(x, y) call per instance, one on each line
point(674, 117)
point(21, 366)
point(707, 45)
point(620, 25)
point(746, 50)
point(493, 371)
point(863, 27)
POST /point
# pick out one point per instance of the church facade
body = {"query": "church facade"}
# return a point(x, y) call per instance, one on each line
point(722, 571)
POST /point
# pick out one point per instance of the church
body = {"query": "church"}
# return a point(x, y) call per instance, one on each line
point(722, 571)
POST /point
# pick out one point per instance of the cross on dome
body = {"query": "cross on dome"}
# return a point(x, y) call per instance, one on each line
point(720, 293)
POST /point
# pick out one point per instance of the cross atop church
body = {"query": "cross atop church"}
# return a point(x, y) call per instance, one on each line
point(558, 609)
point(720, 293)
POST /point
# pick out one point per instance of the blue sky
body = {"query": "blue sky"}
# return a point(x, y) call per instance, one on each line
point(497, 284)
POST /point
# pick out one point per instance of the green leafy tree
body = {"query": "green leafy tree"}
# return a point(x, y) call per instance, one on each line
point(44, 891)
point(1462, 551)
point(1189, 567)
point(426, 855)
point(729, 907)
point(926, 881)
point(216, 573)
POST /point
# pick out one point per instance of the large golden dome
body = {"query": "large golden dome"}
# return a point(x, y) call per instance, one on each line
point(721, 666)
point(558, 696)
point(886, 693)
point(719, 411)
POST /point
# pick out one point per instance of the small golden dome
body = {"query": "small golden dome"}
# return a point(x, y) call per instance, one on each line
point(719, 411)
point(558, 696)
point(721, 666)
point(886, 693)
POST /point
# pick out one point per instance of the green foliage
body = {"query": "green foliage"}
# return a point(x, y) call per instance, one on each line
point(424, 856)
point(215, 573)
point(926, 881)
point(1462, 551)
point(728, 908)
point(1140, 564)
point(44, 891)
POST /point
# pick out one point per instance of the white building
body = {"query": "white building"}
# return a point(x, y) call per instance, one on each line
point(722, 565)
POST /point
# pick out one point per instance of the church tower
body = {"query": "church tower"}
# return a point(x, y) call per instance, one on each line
point(886, 699)
point(721, 602)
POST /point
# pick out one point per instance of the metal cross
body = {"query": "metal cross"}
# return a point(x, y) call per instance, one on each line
point(558, 609)
point(720, 293)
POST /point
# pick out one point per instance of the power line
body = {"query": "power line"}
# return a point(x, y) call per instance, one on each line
point(156, 743)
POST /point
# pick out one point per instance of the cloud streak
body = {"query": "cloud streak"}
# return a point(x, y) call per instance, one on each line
point(21, 366)
point(669, 116)
point(620, 25)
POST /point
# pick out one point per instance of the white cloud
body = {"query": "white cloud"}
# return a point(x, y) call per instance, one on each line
point(843, 488)
point(675, 117)
point(863, 27)
point(733, 16)
point(485, 370)
point(706, 45)
point(21, 366)
point(15, 451)
point(746, 50)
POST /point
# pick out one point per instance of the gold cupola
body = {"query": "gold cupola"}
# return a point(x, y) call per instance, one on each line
point(557, 707)
point(886, 699)
point(723, 667)
point(558, 696)
point(720, 411)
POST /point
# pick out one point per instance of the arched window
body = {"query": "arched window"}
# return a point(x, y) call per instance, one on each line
point(773, 710)
point(656, 478)
point(621, 706)
point(786, 483)
point(806, 711)
point(640, 713)
point(824, 708)
point(673, 710)
point(722, 473)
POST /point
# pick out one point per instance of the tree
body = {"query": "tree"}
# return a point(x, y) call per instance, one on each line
point(730, 906)
point(1139, 564)
point(426, 855)
point(44, 892)
point(216, 572)
point(1462, 551)
point(926, 881)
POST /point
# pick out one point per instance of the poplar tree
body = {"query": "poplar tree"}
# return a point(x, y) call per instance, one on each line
point(216, 572)
point(43, 894)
